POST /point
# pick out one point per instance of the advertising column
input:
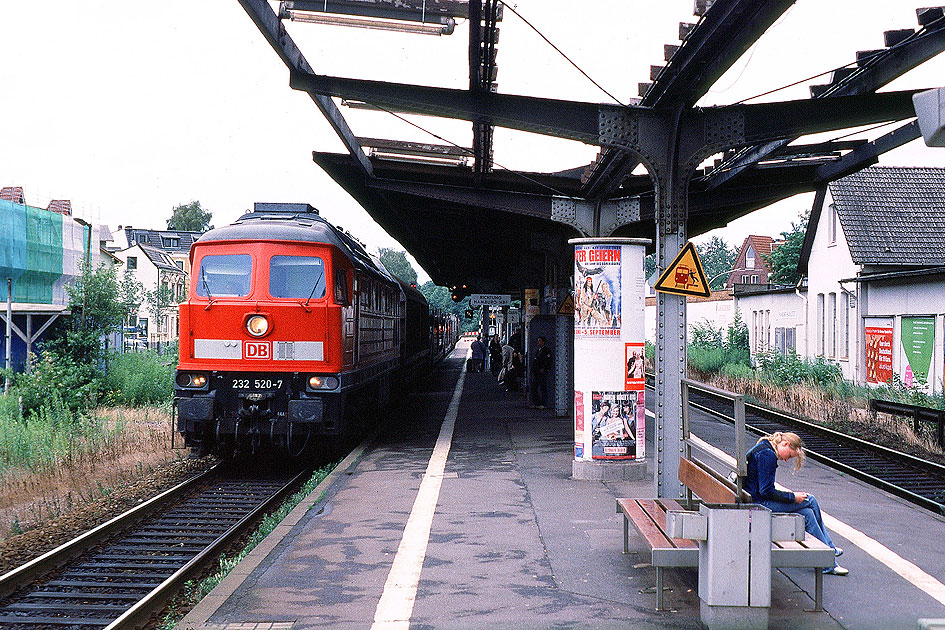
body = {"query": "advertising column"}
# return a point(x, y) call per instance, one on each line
point(609, 412)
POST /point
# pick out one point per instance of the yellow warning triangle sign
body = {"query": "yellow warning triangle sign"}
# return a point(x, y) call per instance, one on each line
point(684, 276)
point(567, 307)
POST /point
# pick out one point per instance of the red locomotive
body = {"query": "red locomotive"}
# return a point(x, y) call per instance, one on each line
point(292, 335)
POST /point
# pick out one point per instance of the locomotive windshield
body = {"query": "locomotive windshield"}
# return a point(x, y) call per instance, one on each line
point(224, 275)
point(301, 277)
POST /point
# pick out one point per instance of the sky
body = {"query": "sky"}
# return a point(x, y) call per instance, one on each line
point(130, 109)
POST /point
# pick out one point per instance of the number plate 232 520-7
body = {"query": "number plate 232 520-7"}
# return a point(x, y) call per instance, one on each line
point(257, 384)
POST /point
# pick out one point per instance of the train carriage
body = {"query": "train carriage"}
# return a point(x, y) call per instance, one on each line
point(291, 336)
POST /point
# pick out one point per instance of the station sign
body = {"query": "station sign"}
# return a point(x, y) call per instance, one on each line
point(489, 299)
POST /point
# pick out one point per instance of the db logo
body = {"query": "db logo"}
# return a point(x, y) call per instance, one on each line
point(257, 350)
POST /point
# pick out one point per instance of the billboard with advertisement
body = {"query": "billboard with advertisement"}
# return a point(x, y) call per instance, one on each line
point(917, 336)
point(879, 351)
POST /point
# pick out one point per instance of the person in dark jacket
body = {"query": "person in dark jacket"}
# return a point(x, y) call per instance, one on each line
point(540, 369)
point(495, 355)
point(478, 355)
point(763, 460)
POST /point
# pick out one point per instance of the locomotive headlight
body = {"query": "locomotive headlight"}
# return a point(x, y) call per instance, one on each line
point(257, 325)
point(191, 380)
point(322, 382)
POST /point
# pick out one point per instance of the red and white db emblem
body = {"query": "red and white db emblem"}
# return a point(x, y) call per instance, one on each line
point(257, 350)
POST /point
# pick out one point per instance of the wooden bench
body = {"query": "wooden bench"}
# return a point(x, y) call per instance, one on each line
point(649, 517)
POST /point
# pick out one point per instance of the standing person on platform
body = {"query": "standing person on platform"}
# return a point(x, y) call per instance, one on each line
point(495, 355)
point(478, 354)
point(541, 366)
point(516, 341)
point(515, 369)
point(763, 460)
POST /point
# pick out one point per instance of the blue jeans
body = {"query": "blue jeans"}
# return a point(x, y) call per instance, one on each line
point(810, 509)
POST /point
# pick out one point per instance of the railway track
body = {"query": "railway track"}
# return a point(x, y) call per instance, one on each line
point(914, 479)
point(121, 573)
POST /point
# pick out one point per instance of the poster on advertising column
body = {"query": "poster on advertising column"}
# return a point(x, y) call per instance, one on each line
point(597, 291)
point(613, 425)
point(918, 335)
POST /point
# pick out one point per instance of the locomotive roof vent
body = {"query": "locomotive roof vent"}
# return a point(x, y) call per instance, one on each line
point(284, 208)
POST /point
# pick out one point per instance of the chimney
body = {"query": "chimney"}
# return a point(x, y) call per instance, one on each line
point(13, 193)
point(60, 206)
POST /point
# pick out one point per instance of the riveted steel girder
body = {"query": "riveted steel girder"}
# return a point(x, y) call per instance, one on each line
point(272, 29)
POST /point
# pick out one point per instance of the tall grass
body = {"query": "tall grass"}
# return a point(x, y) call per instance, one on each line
point(135, 379)
point(50, 436)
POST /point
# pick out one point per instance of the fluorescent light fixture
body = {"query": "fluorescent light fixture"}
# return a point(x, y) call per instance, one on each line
point(333, 19)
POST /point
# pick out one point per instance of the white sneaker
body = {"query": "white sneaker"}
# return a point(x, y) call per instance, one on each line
point(837, 570)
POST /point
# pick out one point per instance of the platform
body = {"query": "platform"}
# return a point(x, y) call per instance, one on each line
point(507, 539)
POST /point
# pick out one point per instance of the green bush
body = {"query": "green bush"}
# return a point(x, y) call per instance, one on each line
point(140, 378)
point(791, 369)
point(714, 348)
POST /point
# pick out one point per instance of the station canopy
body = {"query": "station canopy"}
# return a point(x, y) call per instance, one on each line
point(467, 219)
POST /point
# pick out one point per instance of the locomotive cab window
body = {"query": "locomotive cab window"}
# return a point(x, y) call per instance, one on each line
point(300, 277)
point(341, 288)
point(224, 275)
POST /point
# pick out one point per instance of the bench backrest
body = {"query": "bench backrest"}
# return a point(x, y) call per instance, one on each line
point(704, 483)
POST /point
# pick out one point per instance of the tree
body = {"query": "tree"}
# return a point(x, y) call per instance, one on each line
point(190, 218)
point(159, 300)
point(396, 262)
point(784, 258)
point(130, 295)
point(717, 259)
point(94, 295)
point(649, 266)
point(439, 297)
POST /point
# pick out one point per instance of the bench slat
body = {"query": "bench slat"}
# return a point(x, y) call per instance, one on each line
point(644, 523)
point(703, 484)
point(657, 511)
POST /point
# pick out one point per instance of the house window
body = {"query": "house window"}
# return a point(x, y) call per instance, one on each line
point(820, 324)
point(750, 257)
point(745, 279)
point(179, 263)
point(767, 330)
point(170, 241)
point(845, 325)
point(831, 224)
point(832, 325)
point(132, 262)
point(754, 279)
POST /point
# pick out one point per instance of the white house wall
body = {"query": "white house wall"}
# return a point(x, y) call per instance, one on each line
point(720, 313)
point(766, 314)
point(830, 262)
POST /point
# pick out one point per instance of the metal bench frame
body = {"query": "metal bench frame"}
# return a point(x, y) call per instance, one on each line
point(649, 514)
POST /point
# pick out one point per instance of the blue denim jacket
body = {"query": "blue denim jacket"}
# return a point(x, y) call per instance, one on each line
point(762, 466)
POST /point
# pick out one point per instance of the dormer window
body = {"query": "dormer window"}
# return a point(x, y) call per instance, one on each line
point(170, 241)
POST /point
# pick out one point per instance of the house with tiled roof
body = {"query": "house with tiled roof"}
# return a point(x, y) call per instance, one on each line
point(751, 266)
point(175, 243)
point(874, 257)
point(154, 268)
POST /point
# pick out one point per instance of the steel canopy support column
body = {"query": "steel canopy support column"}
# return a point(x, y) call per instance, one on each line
point(670, 366)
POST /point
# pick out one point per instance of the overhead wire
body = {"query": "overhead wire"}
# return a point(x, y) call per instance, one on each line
point(471, 152)
point(560, 52)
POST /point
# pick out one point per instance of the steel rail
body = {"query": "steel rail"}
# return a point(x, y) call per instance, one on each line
point(140, 613)
point(56, 558)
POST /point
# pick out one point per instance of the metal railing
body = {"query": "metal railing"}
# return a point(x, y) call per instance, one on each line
point(690, 441)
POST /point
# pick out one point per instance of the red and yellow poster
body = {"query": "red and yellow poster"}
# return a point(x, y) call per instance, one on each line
point(879, 349)
point(633, 353)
